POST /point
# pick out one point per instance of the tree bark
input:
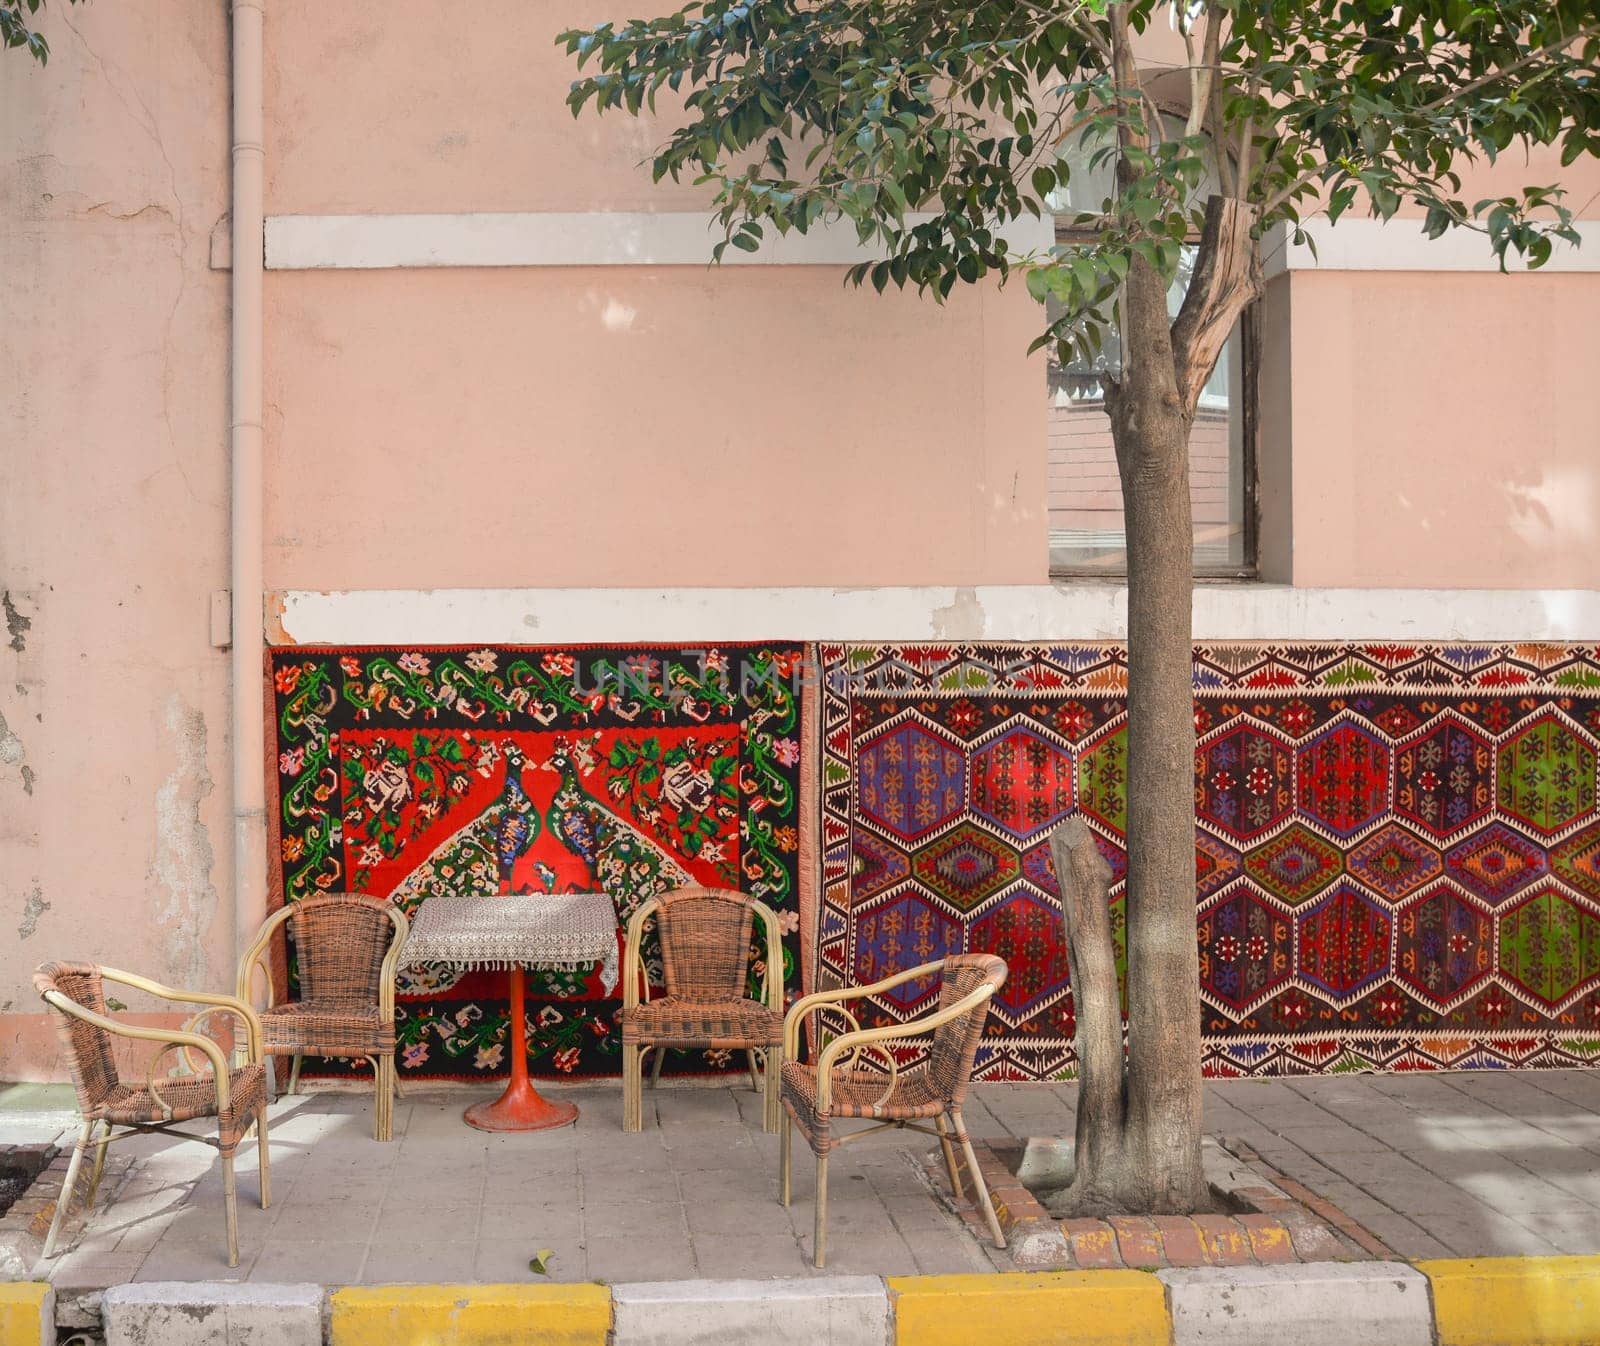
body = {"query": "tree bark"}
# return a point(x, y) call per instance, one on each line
point(1227, 277)
point(1084, 878)
point(1150, 430)
point(1139, 1118)
point(1139, 1151)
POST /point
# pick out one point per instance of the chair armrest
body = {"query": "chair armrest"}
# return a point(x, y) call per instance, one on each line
point(772, 983)
point(247, 1016)
point(256, 955)
point(171, 1036)
point(892, 1033)
point(632, 963)
point(803, 1006)
point(391, 963)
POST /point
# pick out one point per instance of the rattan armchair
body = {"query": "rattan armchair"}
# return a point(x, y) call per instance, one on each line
point(347, 950)
point(815, 1095)
point(705, 953)
point(236, 1098)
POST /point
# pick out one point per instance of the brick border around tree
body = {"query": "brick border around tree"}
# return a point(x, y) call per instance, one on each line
point(1266, 1219)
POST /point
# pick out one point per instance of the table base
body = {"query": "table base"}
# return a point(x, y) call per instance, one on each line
point(521, 1109)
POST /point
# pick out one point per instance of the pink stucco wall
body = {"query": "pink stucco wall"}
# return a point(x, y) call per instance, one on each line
point(114, 842)
point(472, 113)
point(1445, 430)
point(622, 426)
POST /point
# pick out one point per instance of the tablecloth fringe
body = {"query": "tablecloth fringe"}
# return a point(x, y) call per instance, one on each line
point(506, 964)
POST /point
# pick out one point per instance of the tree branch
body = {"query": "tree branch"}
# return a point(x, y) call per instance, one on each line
point(1227, 277)
point(1203, 81)
point(1287, 193)
point(1538, 53)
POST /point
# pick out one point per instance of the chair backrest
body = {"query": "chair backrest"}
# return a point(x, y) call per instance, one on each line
point(88, 1048)
point(340, 940)
point(955, 1044)
point(705, 943)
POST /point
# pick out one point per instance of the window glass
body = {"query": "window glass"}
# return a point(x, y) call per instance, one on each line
point(1085, 494)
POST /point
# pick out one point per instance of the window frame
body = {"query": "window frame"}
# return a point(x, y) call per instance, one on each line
point(1249, 432)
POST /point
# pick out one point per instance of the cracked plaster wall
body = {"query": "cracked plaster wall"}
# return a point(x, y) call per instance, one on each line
point(114, 839)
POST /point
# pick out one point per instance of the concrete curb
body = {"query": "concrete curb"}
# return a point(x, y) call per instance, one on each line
point(27, 1314)
point(828, 1311)
point(1552, 1301)
point(1513, 1301)
point(1030, 1308)
point(1373, 1304)
point(470, 1315)
point(178, 1313)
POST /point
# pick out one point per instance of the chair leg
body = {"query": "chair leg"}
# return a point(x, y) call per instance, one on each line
point(819, 1233)
point(772, 1116)
point(949, 1158)
point(755, 1070)
point(632, 1087)
point(261, 1155)
point(230, 1208)
point(786, 1131)
point(977, 1179)
point(294, 1075)
point(99, 1166)
point(655, 1066)
point(67, 1189)
point(382, 1097)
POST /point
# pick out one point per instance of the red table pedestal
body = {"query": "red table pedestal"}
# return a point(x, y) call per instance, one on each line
point(521, 1107)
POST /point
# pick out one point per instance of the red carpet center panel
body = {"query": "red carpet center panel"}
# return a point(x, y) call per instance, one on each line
point(407, 774)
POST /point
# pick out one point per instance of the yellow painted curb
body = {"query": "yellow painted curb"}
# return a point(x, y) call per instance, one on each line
point(471, 1315)
point(1031, 1308)
point(27, 1313)
point(1516, 1301)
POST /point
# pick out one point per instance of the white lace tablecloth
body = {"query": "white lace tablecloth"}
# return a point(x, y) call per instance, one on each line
point(552, 930)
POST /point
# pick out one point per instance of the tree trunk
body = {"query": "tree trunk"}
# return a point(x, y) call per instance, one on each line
point(1139, 1119)
point(1139, 1149)
point(1084, 878)
point(1150, 429)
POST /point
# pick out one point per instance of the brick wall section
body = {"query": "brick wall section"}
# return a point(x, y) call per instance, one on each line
point(1293, 1227)
point(1084, 490)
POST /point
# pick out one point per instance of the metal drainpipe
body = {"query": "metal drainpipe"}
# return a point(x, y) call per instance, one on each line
point(248, 714)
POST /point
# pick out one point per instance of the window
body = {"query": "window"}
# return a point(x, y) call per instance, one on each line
point(1085, 494)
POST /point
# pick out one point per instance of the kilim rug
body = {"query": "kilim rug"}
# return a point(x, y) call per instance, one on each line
point(1397, 847)
point(409, 773)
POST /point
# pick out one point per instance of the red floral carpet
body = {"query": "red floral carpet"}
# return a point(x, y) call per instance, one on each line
point(1397, 848)
point(411, 773)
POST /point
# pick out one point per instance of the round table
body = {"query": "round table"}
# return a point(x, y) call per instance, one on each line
point(551, 930)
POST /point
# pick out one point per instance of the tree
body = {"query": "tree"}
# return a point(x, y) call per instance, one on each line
point(15, 16)
point(933, 126)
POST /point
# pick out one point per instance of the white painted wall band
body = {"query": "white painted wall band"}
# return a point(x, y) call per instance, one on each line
point(594, 238)
point(685, 238)
point(1400, 245)
point(998, 612)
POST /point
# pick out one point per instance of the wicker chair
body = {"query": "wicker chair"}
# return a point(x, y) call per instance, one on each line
point(705, 951)
point(348, 949)
point(236, 1098)
point(816, 1095)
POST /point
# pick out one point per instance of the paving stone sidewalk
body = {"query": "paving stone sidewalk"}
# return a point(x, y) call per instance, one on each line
point(1466, 1165)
